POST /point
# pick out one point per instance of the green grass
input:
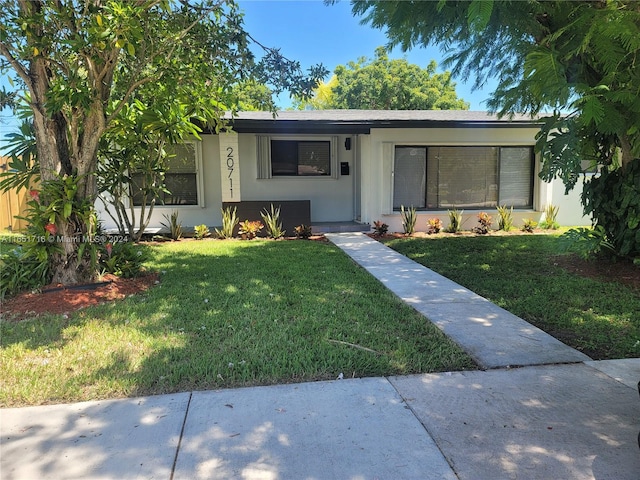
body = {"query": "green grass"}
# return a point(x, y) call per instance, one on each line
point(520, 273)
point(227, 313)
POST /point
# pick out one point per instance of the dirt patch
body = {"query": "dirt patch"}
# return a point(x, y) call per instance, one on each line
point(59, 299)
point(622, 271)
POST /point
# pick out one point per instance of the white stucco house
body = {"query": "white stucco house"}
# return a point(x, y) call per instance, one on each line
point(341, 169)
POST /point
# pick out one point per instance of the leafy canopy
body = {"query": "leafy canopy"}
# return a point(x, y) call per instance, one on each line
point(384, 84)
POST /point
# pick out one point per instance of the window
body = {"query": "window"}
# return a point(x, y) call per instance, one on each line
point(181, 178)
point(293, 157)
point(462, 177)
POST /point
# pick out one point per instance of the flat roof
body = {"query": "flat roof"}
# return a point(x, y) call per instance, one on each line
point(362, 121)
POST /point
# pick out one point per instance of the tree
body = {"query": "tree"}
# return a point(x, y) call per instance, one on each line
point(384, 84)
point(579, 59)
point(82, 61)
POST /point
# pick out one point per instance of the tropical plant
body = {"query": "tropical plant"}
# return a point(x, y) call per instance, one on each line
point(250, 228)
point(201, 231)
point(380, 228)
point(21, 269)
point(577, 59)
point(587, 242)
point(272, 222)
point(409, 219)
point(455, 220)
point(80, 64)
point(434, 225)
point(303, 231)
point(229, 222)
point(173, 225)
point(550, 215)
point(505, 218)
point(484, 223)
point(124, 259)
point(529, 225)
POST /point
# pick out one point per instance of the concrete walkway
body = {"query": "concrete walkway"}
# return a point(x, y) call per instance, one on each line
point(560, 417)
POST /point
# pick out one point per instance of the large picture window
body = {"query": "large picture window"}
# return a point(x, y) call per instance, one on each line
point(181, 178)
point(462, 177)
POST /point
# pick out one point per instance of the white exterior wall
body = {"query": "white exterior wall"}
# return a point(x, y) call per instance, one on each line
point(377, 169)
point(333, 199)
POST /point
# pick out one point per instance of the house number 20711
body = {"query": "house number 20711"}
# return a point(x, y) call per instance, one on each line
point(230, 167)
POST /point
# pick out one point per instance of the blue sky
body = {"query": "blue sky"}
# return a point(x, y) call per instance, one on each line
point(311, 32)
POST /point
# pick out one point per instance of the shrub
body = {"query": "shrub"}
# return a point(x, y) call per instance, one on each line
point(303, 231)
point(229, 222)
point(434, 225)
point(250, 228)
point(173, 225)
point(272, 221)
point(550, 215)
point(505, 220)
point(409, 218)
point(613, 200)
point(586, 242)
point(201, 231)
point(455, 220)
point(529, 225)
point(21, 270)
point(124, 259)
point(380, 228)
point(484, 223)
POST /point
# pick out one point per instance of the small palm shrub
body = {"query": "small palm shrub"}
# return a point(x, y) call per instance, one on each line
point(272, 222)
point(455, 220)
point(409, 219)
point(505, 218)
point(173, 225)
point(550, 215)
point(229, 222)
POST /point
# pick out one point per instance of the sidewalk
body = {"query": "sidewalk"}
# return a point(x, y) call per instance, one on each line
point(560, 416)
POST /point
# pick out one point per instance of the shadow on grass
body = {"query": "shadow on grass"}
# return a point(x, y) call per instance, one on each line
point(229, 314)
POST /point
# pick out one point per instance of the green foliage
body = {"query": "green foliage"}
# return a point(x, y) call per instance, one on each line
point(124, 259)
point(550, 215)
point(250, 228)
point(455, 220)
point(434, 225)
point(409, 219)
point(229, 222)
point(505, 220)
point(529, 225)
point(303, 231)
point(173, 225)
point(384, 84)
point(613, 201)
point(272, 222)
point(20, 270)
point(201, 231)
point(380, 228)
point(586, 242)
point(484, 223)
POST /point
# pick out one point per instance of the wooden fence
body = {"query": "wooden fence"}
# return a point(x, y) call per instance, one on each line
point(12, 204)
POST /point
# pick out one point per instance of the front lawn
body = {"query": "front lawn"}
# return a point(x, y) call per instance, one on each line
point(524, 274)
point(227, 313)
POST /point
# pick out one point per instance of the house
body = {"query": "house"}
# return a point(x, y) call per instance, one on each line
point(349, 168)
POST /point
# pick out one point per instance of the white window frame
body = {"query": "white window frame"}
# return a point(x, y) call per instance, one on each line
point(199, 181)
point(263, 155)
